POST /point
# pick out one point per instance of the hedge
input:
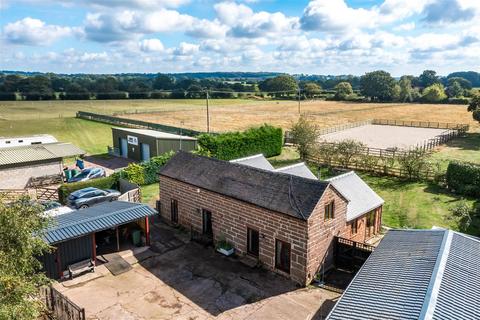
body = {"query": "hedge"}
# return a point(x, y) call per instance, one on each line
point(64, 191)
point(146, 172)
point(111, 96)
point(464, 178)
point(266, 139)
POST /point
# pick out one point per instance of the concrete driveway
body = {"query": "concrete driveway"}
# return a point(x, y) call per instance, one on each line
point(189, 281)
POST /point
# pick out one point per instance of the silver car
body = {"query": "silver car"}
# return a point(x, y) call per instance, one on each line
point(88, 197)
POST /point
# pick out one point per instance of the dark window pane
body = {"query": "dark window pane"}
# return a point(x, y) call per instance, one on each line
point(282, 256)
point(174, 211)
point(253, 243)
point(207, 222)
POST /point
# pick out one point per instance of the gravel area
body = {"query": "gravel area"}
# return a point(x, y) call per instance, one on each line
point(382, 136)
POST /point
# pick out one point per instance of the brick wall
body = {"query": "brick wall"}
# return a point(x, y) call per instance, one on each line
point(231, 218)
point(362, 235)
point(17, 177)
point(321, 232)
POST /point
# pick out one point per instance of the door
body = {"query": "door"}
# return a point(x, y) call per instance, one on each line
point(253, 242)
point(282, 256)
point(370, 227)
point(207, 223)
point(123, 147)
point(145, 150)
point(174, 211)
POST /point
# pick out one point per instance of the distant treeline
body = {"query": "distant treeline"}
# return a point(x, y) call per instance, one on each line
point(49, 86)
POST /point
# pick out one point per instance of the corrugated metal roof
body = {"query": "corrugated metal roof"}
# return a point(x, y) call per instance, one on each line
point(100, 217)
point(156, 134)
point(38, 152)
point(361, 197)
point(416, 274)
point(257, 161)
point(298, 169)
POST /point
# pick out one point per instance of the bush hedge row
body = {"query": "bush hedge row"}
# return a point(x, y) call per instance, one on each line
point(265, 139)
point(146, 172)
point(65, 189)
point(464, 178)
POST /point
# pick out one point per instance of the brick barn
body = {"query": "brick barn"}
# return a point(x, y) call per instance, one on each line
point(285, 221)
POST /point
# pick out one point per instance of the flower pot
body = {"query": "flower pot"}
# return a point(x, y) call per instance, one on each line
point(226, 252)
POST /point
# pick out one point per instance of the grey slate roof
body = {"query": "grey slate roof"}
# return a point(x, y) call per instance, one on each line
point(38, 152)
point(257, 161)
point(416, 274)
point(283, 193)
point(298, 169)
point(361, 198)
point(97, 218)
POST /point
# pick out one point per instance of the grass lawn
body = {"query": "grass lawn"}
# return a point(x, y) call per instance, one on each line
point(462, 149)
point(150, 193)
point(93, 137)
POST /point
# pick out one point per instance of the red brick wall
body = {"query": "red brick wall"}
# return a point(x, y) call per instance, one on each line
point(230, 219)
point(362, 234)
point(321, 231)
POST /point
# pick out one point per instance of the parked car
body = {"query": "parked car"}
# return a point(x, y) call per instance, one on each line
point(53, 208)
point(88, 197)
point(87, 174)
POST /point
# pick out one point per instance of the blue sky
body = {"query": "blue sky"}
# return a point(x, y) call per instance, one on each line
point(297, 36)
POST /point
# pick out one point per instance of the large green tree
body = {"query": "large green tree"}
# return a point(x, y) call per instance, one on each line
point(474, 107)
point(378, 86)
point(280, 85)
point(312, 89)
point(428, 78)
point(343, 90)
point(434, 93)
point(406, 89)
point(305, 135)
point(21, 224)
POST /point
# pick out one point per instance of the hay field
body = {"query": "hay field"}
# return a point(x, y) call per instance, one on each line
point(325, 113)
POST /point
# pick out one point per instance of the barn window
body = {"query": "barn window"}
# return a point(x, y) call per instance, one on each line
point(282, 255)
point(330, 211)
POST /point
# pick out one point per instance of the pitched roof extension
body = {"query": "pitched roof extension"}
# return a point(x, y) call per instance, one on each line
point(292, 195)
point(37, 152)
point(100, 217)
point(361, 198)
point(257, 161)
point(298, 169)
point(416, 274)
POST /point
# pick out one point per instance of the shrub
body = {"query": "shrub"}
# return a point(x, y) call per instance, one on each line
point(305, 135)
point(266, 139)
point(146, 172)
point(39, 96)
point(8, 96)
point(111, 96)
point(458, 100)
point(464, 178)
point(159, 95)
point(413, 164)
point(138, 95)
point(101, 183)
point(75, 96)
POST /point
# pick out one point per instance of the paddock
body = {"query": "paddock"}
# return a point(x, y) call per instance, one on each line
point(385, 136)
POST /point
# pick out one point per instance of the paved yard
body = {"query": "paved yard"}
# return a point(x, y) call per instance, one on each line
point(382, 136)
point(187, 281)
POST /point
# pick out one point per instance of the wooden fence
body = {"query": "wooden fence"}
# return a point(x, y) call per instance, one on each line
point(132, 123)
point(60, 307)
point(46, 180)
point(422, 124)
point(42, 193)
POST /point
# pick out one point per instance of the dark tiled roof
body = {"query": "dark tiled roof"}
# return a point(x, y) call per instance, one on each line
point(284, 193)
point(416, 274)
point(100, 217)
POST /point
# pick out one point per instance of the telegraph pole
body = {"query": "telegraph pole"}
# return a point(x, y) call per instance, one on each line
point(208, 114)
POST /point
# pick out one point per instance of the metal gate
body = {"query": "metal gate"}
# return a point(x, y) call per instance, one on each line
point(350, 255)
point(59, 306)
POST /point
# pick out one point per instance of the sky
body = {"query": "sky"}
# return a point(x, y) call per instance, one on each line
point(295, 36)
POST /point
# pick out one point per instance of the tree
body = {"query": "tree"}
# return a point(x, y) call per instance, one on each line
point(305, 135)
point(413, 163)
point(428, 78)
point(464, 83)
point(378, 85)
point(474, 107)
point(343, 90)
point(346, 150)
point(462, 213)
point(312, 89)
point(21, 225)
point(406, 90)
point(454, 90)
point(434, 93)
point(163, 82)
point(280, 85)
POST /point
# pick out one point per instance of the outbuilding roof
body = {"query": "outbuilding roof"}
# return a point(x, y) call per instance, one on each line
point(298, 169)
point(156, 134)
point(416, 274)
point(256, 161)
point(100, 217)
point(284, 193)
point(38, 152)
point(361, 198)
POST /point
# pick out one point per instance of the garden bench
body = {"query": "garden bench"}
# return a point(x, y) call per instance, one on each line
point(81, 267)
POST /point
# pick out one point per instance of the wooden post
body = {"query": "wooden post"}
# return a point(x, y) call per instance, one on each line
point(118, 239)
point(147, 231)
point(94, 250)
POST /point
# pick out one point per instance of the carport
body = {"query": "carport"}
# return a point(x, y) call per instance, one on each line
point(74, 235)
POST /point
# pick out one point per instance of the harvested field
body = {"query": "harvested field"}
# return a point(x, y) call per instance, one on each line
point(324, 113)
point(384, 137)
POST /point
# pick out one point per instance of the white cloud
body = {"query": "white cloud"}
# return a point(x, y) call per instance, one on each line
point(405, 27)
point(29, 31)
point(151, 45)
point(186, 49)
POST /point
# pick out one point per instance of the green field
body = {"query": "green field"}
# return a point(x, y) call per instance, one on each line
point(462, 149)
